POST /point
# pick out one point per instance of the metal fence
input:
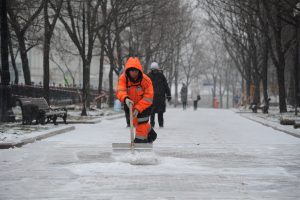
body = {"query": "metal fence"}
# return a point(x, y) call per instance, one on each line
point(58, 95)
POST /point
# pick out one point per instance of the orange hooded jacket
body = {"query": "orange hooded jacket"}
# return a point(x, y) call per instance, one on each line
point(140, 91)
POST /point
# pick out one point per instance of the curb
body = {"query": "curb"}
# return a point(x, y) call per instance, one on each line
point(33, 139)
point(119, 116)
point(94, 121)
point(274, 127)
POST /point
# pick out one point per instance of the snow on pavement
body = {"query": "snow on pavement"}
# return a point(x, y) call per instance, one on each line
point(204, 154)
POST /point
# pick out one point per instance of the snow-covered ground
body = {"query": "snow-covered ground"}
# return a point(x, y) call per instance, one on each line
point(272, 119)
point(204, 154)
point(16, 132)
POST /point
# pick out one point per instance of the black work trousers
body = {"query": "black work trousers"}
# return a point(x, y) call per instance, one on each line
point(160, 117)
point(184, 103)
point(195, 105)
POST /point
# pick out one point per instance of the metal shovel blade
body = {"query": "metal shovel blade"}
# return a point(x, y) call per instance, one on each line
point(135, 146)
point(131, 145)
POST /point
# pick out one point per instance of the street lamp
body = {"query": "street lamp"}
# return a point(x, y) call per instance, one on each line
point(6, 113)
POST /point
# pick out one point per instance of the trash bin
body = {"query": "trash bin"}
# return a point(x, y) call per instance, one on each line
point(216, 102)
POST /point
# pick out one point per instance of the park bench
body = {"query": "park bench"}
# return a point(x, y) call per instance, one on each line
point(38, 109)
point(264, 106)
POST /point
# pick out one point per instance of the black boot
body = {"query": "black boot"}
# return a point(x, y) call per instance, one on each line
point(137, 140)
point(152, 136)
point(161, 120)
point(152, 120)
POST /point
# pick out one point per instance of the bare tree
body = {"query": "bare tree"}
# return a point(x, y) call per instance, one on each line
point(22, 16)
point(80, 22)
point(13, 58)
point(48, 32)
point(278, 50)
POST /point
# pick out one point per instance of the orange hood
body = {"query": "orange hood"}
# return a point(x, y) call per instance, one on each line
point(133, 62)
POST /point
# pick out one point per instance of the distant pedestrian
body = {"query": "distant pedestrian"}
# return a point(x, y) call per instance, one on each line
point(161, 92)
point(236, 100)
point(183, 94)
point(195, 96)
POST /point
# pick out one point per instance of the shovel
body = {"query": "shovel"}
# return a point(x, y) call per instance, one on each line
point(131, 146)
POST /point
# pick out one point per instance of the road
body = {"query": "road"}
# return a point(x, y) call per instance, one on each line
point(203, 154)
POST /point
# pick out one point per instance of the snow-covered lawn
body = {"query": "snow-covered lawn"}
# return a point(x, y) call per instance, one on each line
point(16, 132)
point(272, 119)
point(204, 154)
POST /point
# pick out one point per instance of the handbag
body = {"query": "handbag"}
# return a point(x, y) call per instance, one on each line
point(198, 97)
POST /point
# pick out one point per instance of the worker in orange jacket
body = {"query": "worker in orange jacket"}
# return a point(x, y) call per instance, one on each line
point(136, 88)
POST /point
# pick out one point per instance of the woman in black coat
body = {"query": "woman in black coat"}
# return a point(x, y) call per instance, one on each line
point(183, 94)
point(161, 92)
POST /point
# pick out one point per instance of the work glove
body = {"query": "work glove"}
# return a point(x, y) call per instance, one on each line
point(169, 99)
point(135, 113)
point(128, 102)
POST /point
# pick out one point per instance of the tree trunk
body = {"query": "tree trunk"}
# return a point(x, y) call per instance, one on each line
point(88, 96)
point(220, 93)
point(176, 74)
point(281, 83)
point(227, 90)
point(265, 70)
point(102, 38)
point(214, 89)
point(46, 67)
point(233, 86)
point(111, 90)
point(170, 70)
point(227, 97)
point(281, 62)
point(281, 88)
point(86, 55)
point(110, 53)
point(85, 86)
point(290, 98)
point(256, 97)
point(5, 75)
point(12, 57)
point(118, 45)
point(296, 67)
point(48, 32)
point(148, 43)
point(147, 59)
point(280, 69)
point(248, 88)
point(6, 113)
point(101, 67)
point(46, 52)
point(24, 59)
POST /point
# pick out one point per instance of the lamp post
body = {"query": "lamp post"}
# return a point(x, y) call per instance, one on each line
point(296, 56)
point(5, 89)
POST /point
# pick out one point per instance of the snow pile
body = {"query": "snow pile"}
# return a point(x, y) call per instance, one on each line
point(138, 158)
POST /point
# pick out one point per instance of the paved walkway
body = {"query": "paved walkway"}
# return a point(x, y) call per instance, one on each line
point(204, 154)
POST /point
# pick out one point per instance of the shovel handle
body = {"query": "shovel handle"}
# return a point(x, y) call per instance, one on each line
point(131, 125)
